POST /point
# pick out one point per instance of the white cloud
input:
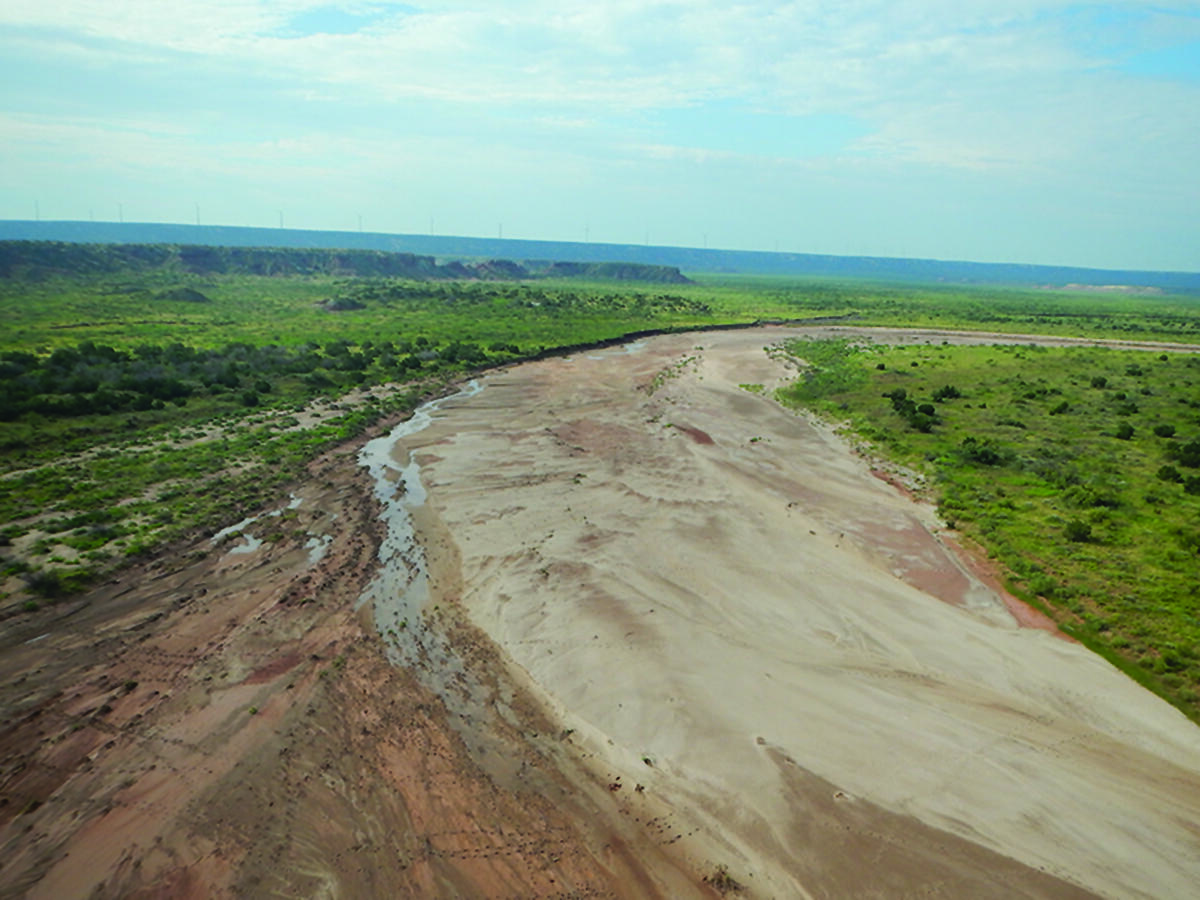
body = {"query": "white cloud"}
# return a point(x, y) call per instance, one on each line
point(1025, 92)
point(804, 56)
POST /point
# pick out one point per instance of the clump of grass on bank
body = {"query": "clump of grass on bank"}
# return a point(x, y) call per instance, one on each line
point(1078, 469)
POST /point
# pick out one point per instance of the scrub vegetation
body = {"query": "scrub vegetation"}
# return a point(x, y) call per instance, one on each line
point(144, 402)
point(1078, 469)
point(154, 392)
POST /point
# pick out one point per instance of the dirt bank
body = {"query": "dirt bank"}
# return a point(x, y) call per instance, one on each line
point(223, 724)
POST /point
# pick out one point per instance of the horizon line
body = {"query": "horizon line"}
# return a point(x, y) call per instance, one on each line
point(641, 247)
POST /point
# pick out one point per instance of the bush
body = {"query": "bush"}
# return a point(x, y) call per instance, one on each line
point(982, 452)
point(47, 584)
point(1164, 431)
point(54, 584)
point(1078, 531)
point(1187, 455)
point(1169, 473)
point(1099, 381)
point(922, 422)
point(1084, 497)
point(1124, 431)
point(946, 392)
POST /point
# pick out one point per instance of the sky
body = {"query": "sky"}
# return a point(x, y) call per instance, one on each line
point(991, 130)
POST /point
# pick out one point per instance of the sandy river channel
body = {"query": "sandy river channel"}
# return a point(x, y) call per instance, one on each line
point(776, 651)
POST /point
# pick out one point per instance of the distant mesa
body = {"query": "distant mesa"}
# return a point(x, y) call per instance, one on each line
point(456, 269)
point(44, 259)
point(614, 271)
point(499, 270)
point(571, 255)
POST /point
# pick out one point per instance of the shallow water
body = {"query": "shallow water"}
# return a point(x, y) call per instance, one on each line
point(252, 543)
point(317, 546)
point(399, 592)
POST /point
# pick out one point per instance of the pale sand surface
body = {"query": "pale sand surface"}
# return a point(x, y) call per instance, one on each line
point(746, 628)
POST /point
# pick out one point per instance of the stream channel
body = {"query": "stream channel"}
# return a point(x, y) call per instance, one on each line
point(399, 594)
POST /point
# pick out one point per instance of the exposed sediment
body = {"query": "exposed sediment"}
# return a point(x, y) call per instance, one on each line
point(612, 658)
point(730, 610)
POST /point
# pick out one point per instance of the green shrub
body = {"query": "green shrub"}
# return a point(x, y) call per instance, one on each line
point(1078, 531)
point(981, 452)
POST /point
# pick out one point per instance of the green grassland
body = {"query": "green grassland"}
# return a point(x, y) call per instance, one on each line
point(1012, 310)
point(1078, 469)
point(126, 309)
point(263, 310)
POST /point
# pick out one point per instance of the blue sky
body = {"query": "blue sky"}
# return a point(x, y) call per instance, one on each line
point(993, 130)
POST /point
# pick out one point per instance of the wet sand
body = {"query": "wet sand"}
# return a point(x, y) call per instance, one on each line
point(731, 611)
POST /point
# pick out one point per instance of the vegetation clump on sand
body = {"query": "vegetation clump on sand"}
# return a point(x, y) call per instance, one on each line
point(1077, 468)
point(722, 882)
